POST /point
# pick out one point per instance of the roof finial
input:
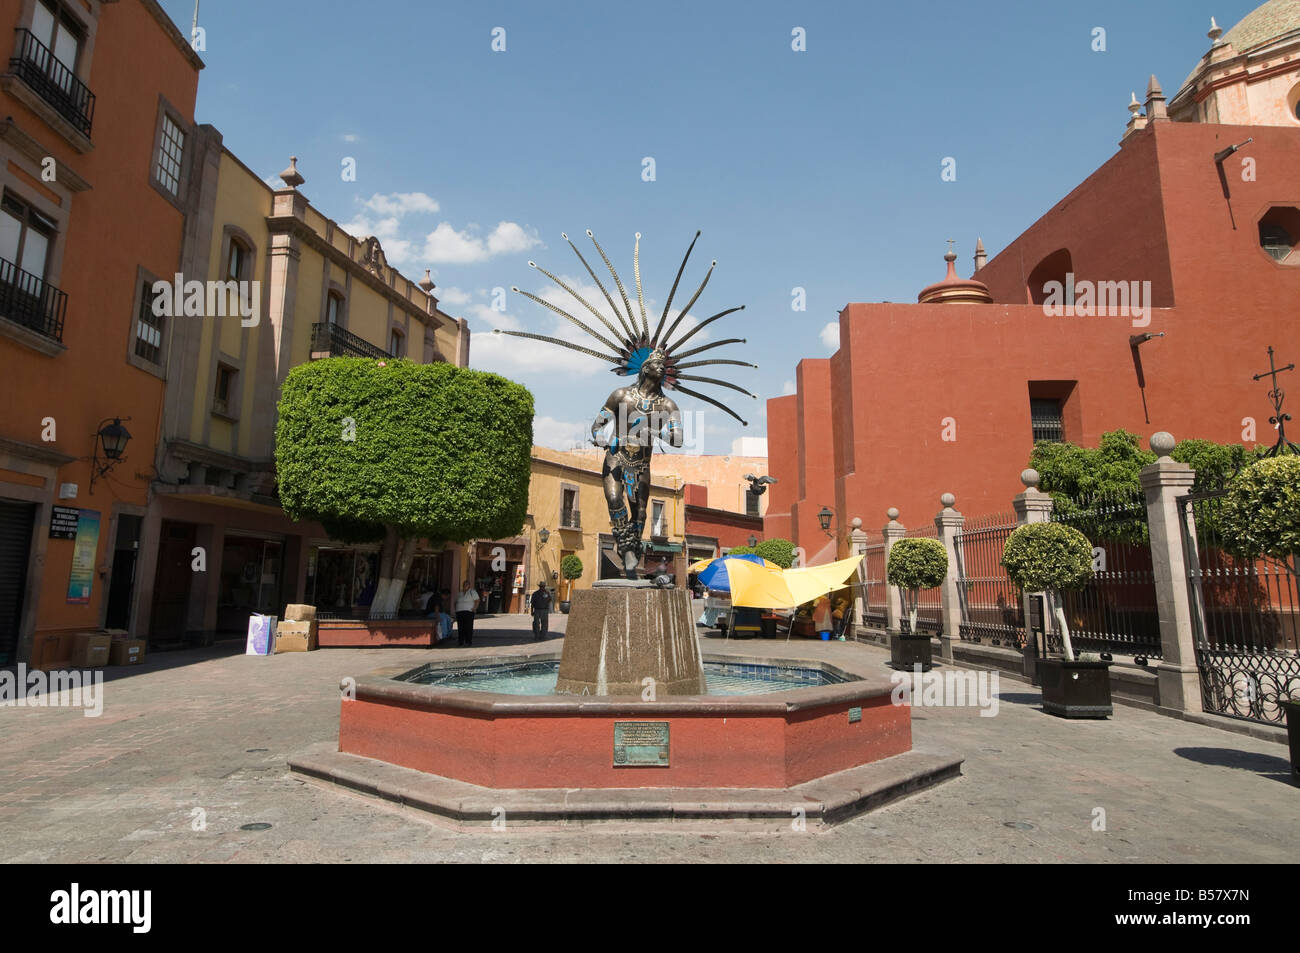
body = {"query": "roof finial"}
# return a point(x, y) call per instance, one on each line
point(291, 176)
point(981, 257)
point(426, 284)
point(1215, 32)
point(1134, 107)
point(951, 255)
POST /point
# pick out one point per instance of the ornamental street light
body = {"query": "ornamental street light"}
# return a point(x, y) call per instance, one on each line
point(110, 440)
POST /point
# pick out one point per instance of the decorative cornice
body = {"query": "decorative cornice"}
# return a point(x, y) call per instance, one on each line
point(31, 147)
point(35, 452)
point(197, 453)
point(173, 32)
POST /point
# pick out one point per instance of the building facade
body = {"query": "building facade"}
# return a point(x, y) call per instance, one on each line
point(280, 284)
point(1145, 299)
point(96, 138)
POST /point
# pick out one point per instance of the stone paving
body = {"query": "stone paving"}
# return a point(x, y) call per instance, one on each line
point(193, 744)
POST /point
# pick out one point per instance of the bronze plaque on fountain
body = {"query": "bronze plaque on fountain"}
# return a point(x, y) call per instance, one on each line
point(640, 744)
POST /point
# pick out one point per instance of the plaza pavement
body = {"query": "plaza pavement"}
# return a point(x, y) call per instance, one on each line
point(205, 734)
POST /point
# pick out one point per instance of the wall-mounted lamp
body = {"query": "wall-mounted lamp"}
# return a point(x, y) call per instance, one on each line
point(543, 535)
point(110, 442)
point(753, 540)
point(824, 516)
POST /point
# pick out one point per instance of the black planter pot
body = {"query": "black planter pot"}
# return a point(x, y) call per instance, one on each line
point(1293, 733)
point(1075, 689)
point(908, 651)
point(564, 606)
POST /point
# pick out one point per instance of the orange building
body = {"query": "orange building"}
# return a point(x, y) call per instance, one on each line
point(98, 106)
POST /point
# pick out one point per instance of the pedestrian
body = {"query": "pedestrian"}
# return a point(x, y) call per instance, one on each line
point(466, 603)
point(540, 602)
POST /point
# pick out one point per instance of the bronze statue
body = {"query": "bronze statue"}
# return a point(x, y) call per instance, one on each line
point(641, 412)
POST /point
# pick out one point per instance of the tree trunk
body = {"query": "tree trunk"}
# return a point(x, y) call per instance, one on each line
point(1059, 612)
point(913, 597)
point(394, 567)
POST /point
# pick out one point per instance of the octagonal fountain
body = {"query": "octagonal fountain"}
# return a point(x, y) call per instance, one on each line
point(471, 739)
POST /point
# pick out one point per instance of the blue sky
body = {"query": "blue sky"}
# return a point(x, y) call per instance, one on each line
point(817, 169)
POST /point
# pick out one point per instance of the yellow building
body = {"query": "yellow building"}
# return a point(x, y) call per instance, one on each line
point(266, 282)
point(567, 515)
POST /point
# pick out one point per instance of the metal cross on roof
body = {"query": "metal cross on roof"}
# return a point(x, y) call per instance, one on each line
point(1276, 395)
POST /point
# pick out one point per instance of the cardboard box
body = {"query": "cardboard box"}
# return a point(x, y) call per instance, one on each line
point(126, 652)
point(299, 613)
point(52, 650)
point(295, 637)
point(90, 649)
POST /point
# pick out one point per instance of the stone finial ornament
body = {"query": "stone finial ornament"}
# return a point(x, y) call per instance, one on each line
point(1029, 477)
point(892, 513)
point(291, 176)
point(947, 500)
point(1134, 107)
point(1162, 444)
point(426, 283)
point(1216, 31)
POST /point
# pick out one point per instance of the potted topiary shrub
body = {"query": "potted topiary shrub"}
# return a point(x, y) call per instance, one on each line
point(1051, 557)
point(1261, 518)
point(570, 569)
point(913, 565)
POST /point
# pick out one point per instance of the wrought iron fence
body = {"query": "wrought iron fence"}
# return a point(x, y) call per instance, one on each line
point(342, 343)
point(1117, 611)
point(873, 587)
point(1245, 619)
point(31, 302)
point(53, 81)
point(991, 607)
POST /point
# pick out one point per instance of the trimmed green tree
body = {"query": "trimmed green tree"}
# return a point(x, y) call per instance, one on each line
point(913, 565)
point(571, 569)
point(400, 451)
point(1049, 557)
point(740, 551)
point(778, 550)
point(1261, 512)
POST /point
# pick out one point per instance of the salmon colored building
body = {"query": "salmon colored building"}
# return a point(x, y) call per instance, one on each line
point(96, 120)
point(1145, 299)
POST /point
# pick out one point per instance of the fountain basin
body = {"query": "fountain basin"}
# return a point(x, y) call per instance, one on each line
point(774, 740)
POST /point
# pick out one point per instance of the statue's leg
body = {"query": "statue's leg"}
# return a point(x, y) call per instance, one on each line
point(625, 538)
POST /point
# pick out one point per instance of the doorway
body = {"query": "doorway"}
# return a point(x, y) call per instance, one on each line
point(126, 549)
point(15, 547)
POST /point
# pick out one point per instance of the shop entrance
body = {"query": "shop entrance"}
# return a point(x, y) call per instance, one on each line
point(171, 588)
point(15, 547)
point(126, 548)
point(251, 570)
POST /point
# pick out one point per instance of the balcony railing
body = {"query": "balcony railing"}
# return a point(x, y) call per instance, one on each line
point(53, 81)
point(570, 519)
point(32, 302)
point(341, 343)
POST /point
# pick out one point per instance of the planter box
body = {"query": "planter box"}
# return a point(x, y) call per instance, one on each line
point(1075, 689)
point(908, 651)
point(366, 633)
point(1293, 734)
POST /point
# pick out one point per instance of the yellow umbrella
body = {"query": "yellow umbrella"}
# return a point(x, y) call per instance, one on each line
point(764, 588)
point(704, 564)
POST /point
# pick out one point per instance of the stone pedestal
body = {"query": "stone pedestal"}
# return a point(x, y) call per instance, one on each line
point(619, 635)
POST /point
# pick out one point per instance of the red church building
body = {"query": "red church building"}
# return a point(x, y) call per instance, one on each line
point(1145, 299)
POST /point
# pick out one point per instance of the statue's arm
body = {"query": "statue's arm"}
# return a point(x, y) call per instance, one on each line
point(607, 413)
point(670, 430)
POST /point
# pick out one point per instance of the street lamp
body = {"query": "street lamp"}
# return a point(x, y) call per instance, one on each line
point(543, 535)
point(111, 440)
point(824, 516)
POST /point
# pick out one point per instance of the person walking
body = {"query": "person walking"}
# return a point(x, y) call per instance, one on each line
point(466, 603)
point(540, 602)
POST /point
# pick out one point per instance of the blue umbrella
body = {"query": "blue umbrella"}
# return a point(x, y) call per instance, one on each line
point(714, 575)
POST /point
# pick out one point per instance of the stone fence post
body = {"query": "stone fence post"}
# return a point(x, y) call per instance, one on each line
point(858, 547)
point(949, 523)
point(893, 531)
point(1163, 482)
point(1032, 505)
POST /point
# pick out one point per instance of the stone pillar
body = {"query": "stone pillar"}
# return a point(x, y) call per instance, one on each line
point(949, 523)
point(858, 547)
point(1177, 680)
point(1033, 506)
point(893, 531)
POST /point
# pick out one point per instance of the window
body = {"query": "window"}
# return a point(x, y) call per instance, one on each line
point(395, 342)
point(657, 519)
point(148, 327)
point(225, 390)
point(569, 508)
point(1279, 230)
point(333, 308)
point(171, 152)
point(1046, 419)
point(751, 502)
point(25, 239)
point(60, 34)
point(237, 263)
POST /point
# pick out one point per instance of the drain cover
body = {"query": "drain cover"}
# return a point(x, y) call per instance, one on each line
point(255, 750)
point(256, 826)
point(1018, 825)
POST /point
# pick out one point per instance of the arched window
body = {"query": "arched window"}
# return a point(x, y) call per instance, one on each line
point(333, 308)
point(395, 343)
point(238, 261)
point(1054, 268)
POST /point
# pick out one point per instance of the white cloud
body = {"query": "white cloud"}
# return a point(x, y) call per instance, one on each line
point(398, 204)
point(351, 137)
point(831, 336)
point(789, 388)
point(510, 356)
point(493, 318)
point(446, 245)
point(561, 434)
point(453, 297)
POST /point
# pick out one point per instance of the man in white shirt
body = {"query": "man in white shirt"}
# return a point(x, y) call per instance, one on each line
point(466, 603)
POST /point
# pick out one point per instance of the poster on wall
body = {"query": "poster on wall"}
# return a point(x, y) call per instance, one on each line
point(82, 577)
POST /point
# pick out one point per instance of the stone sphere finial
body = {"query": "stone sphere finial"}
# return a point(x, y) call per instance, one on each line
point(947, 500)
point(892, 512)
point(1029, 477)
point(856, 522)
point(1162, 443)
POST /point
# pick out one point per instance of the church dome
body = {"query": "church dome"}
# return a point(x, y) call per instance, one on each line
point(1267, 24)
point(954, 290)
